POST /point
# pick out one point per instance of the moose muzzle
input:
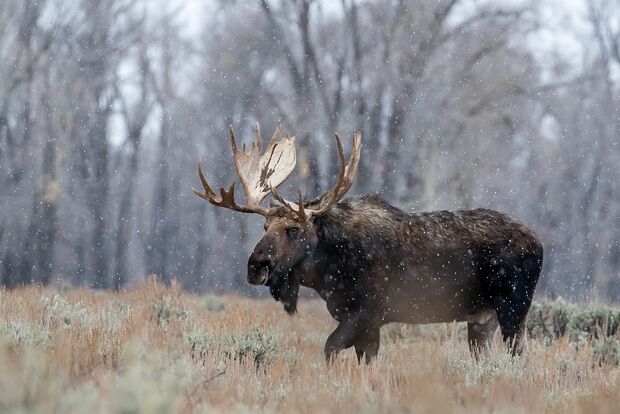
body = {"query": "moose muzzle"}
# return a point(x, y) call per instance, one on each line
point(259, 267)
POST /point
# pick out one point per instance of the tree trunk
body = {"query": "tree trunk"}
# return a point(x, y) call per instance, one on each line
point(98, 201)
point(158, 240)
point(392, 153)
point(125, 218)
point(202, 248)
point(48, 226)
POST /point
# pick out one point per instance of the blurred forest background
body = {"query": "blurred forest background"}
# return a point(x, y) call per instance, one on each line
point(106, 106)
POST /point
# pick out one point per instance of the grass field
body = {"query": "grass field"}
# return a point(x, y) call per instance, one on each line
point(159, 350)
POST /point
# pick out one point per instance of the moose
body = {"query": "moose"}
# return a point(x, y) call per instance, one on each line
point(373, 263)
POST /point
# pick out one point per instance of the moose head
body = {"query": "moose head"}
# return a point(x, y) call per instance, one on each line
point(291, 234)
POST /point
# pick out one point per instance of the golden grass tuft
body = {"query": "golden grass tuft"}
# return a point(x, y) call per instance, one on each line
point(158, 349)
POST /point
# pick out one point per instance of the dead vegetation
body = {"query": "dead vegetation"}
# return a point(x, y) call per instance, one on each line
point(157, 349)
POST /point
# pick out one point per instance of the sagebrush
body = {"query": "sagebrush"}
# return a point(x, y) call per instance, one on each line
point(158, 349)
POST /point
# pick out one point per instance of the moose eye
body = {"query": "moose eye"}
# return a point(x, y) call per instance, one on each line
point(292, 232)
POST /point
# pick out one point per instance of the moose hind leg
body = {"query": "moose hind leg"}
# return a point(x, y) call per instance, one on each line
point(511, 315)
point(512, 309)
point(513, 285)
point(479, 335)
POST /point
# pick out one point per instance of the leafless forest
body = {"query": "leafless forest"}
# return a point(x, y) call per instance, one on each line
point(106, 106)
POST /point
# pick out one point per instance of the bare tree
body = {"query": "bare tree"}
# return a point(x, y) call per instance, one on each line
point(105, 106)
point(135, 118)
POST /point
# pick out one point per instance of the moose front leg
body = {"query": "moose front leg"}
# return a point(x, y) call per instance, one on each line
point(353, 330)
point(367, 344)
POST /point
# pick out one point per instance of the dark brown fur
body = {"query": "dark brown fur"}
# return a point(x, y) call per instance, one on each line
point(374, 264)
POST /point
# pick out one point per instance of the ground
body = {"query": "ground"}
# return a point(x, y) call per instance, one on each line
point(157, 349)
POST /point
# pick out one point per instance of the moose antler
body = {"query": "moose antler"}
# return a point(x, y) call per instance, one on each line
point(261, 175)
point(258, 173)
point(345, 180)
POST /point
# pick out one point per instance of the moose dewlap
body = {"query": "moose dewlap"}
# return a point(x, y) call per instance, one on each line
point(373, 263)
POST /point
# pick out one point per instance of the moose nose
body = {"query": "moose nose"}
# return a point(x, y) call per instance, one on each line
point(260, 265)
point(258, 271)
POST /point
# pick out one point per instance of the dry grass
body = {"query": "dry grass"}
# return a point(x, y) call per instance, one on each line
point(161, 350)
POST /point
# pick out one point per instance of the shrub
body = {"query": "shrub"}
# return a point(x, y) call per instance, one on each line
point(200, 344)
point(596, 321)
point(17, 333)
point(213, 303)
point(165, 311)
point(549, 320)
point(57, 310)
point(595, 325)
point(606, 351)
point(260, 347)
point(114, 317)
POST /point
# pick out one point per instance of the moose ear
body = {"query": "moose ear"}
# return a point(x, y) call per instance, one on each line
point(315, 203)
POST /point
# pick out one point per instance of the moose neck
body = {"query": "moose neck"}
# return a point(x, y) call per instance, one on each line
point(352, 237)
point(331, 257)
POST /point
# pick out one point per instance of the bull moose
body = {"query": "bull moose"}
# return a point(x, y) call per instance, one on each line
point(373, 263)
